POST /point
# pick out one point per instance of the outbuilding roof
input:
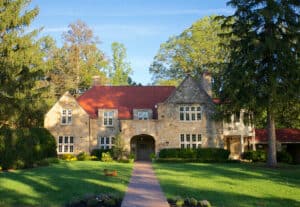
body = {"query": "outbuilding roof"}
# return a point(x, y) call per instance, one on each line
point(282, 135)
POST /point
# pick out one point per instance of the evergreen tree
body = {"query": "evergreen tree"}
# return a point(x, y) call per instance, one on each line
point(119, 70)
point(262, 72)
point(21, 67)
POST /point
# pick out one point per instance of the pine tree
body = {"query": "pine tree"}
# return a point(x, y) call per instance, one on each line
point(20, 66)
point(262, 72)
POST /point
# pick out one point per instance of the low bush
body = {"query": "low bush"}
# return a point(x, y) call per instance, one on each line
point(255, 156)
point(68, 157)
point(53, 160)
point(104, 200)
point(188, 202)
point(195, 155)
point(98, 152)
point(82, 156)
point(23, 148)
point(285, 157)
point(106, 157)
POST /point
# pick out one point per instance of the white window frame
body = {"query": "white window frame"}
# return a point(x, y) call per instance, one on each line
point(190, 113)
point(190, 141)
point(143, 115)
point(65, 144)
point(108, 118)
point(66, 116)
point(106, 142)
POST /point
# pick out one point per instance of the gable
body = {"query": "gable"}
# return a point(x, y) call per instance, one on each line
point(188, 92)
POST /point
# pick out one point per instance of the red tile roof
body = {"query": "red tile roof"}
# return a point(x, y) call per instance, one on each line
point(282, 135)
point(123, 98)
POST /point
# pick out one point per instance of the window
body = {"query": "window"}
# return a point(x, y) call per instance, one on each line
point(190, 141)
point(65, 144)
point(190, 113)
point(106, 142)
point(108, 118)
point(143, 115)
point(66, 116)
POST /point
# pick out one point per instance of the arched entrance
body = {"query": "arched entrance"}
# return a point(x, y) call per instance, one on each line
point(142, 146)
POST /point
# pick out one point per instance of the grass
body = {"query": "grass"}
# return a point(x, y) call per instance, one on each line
point(232, 184)
point(59, 183)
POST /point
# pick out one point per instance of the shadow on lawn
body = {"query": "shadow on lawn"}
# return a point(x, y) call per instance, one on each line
point(226, 174)
point(58, 184)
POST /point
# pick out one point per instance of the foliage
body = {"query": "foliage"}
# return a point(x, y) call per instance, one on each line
point(68, 157)
point(188, 202)
point(283, 156)
point(104, 200)
point(255, 156)
point(119, 70)
point(21, 66)
point(98, 152)
point(195, 50)
point(25, 147)
point(82, 156)
point(106, 157)
point(195, 155)
point(262, 71)
point(46, 186)
point(119, 151)
point(231, 184)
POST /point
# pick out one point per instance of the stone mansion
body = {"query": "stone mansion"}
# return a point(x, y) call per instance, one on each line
point(147, 118)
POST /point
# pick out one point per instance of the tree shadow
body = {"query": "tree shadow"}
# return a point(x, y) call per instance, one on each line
point(60, 183)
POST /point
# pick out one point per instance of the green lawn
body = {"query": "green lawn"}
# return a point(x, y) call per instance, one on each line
point(232, 184)
point(57, 184)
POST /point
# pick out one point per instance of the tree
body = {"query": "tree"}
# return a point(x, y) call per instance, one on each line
point(262, 72)
point(119, 70)
point(196, 49)
point(80, 58)
point(21, 66)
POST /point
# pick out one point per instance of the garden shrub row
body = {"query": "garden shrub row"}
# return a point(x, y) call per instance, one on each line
point(98, 152)
point(23, 148)
point(194, 155)
point(261, 156)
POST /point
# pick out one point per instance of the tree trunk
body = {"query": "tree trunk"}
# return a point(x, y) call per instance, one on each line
point(272, 160)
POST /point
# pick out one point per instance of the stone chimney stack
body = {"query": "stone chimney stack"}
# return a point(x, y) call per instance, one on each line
point(96, 80)
point(206, 82)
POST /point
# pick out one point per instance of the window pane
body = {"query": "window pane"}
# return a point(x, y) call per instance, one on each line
point(181, 116)
point(111, 114)
point(181, 108)
point(105, 121)
point(110, 121)
point(64, 112)
point(63, 120)
point(188, 137)
point(107, 140)
point(60, 139)
point(69, 119)
point(198, 116)
point(66, 139)
point(193, 116)
point(187, 116)
point(187, 108)
point(199, 137)
point(102, 140)
point(198, 108)
point(192, 108)
point(71, 148)
point(66, 148)
point(102, 147)
point(69, 112)
point(59, 148)
point(182, 146)
point(182, 137)
point(194, 146)
point(188, 146)
point(71, 140)
point(194, 137)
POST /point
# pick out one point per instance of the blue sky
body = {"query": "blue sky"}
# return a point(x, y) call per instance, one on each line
point(139, 24)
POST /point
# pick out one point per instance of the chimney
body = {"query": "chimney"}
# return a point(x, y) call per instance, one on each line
point(96, 80)
point(206, 82)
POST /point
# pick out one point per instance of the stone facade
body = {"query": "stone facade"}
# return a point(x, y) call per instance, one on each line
point(168, 130)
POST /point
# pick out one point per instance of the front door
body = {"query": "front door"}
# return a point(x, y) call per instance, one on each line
point(144, 147)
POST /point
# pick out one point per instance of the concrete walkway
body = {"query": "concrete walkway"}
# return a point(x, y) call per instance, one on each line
point(144, 189)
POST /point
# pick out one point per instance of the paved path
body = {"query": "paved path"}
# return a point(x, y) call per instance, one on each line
point(144, 189)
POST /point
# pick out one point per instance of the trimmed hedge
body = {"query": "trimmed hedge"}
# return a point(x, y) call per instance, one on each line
point(23, 148)
point(195, 155)
point(261, 156)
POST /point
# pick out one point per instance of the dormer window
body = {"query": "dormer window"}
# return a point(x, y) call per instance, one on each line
point(143, 115)
point(66, 116)
point(190, 113)
point(108, 117)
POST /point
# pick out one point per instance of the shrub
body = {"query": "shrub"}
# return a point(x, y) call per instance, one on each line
point(98, 152)
point(283, 156)
point(26, 146)
point(195, 155)
point(106, 157)
point(255, 156)
point(53, 160)
point(43, 162)
point(82, 156)
point(68, 157)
